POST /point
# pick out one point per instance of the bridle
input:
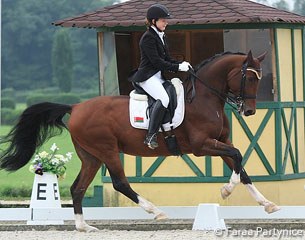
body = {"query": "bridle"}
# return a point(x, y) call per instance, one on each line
point(240, 99)
point(235, 101)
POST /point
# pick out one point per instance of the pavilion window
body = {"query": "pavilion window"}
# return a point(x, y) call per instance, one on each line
point(259, 41)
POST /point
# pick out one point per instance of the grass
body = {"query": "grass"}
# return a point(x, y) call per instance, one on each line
point(22, 180)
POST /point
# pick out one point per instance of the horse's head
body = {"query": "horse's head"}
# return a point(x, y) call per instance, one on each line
point(245, 84)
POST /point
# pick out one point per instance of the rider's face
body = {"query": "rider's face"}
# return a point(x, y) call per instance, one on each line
point(161, 23)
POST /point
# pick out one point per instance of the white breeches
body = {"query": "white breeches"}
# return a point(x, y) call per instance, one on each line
point(153, 86)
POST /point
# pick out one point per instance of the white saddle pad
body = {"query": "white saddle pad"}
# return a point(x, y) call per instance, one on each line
point(138, 106)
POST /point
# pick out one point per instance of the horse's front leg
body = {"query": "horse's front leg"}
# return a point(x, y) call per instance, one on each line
point(121, 184)
point(228, 188)
point(214, 147)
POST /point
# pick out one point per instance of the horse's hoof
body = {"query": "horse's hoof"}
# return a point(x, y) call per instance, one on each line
point(271, 208)
point(87, 228)
point(225, 192)
point(161, 216)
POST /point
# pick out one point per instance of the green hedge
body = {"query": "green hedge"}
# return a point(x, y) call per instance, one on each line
point(34, 99)
point(13, 192)
point(9, 116)
point(88, 95)
point(65, 98)
point(7, 102)
point(8, 93)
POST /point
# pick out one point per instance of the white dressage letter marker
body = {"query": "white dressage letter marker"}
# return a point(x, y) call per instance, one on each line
point(207, 218)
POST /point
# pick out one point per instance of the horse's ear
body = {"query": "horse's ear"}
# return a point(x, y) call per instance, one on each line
point(261, 57)
point(250, 59)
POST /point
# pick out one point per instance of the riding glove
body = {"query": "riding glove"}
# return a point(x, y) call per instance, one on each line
point(184, 66)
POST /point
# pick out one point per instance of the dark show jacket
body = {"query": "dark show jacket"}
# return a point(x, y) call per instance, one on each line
point(154, 57)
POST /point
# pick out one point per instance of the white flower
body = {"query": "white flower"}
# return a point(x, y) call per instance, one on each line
point(54, 161)
point(50, 162)
point(43, 154)
point(36, 158)
point(69, 155)
point(32, 169)
point(54, 147)
point(60, 157)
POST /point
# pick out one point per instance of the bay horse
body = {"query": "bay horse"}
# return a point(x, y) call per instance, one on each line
point(100, 130)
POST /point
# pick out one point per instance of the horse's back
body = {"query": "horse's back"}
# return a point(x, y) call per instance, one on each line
point(98, 113)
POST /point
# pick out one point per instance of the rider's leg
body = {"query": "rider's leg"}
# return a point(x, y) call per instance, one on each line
point(153, 86)
point(155, 122)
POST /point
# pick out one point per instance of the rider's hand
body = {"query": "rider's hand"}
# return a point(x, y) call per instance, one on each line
point(184, 66)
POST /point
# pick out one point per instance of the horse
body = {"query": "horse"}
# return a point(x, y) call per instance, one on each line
point(100, 130)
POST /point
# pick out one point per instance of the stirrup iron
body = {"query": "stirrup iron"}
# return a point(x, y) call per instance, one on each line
point(151, 141)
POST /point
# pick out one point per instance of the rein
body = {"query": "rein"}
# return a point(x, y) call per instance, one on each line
point(236, 102)
point(225, 97)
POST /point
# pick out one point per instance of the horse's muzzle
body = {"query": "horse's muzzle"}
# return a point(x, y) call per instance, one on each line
point(249, 112)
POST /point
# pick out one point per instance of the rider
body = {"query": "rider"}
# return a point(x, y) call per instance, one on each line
point(155, 60)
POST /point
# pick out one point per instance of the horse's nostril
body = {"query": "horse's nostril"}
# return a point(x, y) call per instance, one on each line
point(249, 112)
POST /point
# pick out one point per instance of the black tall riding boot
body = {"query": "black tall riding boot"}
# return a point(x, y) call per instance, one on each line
point(155, 122)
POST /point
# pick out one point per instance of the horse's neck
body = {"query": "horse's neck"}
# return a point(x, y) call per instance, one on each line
point(213, 83)
point(213, 76)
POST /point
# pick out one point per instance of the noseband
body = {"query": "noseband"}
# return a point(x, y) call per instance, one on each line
point(235, 101)
point(240, 99)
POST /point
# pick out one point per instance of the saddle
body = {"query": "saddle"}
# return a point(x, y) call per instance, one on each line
point(140, 107)
point(140, 104)
point(171, 92)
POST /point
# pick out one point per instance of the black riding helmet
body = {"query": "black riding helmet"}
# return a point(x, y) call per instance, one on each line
point(157, 11)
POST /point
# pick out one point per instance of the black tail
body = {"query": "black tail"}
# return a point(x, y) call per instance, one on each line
point(36, 124)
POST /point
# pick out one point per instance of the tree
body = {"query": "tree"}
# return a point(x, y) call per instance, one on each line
point(281, 4)
point(62, 61)
point(27, 42)
point(299, 7)
point(265, 2)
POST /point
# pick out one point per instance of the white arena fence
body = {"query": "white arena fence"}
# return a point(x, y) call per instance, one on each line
point(205, 216)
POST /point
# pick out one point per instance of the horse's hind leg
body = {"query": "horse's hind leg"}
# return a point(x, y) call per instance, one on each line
point(89, 168)
point(228, 188)
point(121, 184)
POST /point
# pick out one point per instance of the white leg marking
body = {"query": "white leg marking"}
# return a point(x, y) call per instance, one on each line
point(82, 226)
point(151, 208)
point(270, 207)
point(228, 188)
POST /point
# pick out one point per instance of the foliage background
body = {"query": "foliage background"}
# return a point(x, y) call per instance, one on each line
point(27, 41)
